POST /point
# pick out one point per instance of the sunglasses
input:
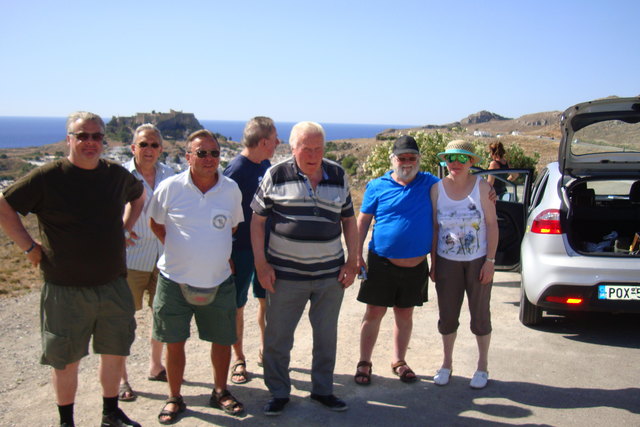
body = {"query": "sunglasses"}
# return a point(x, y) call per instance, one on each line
point(462, 158)
point(85, 136)
point(146, 144)
point(203, 153)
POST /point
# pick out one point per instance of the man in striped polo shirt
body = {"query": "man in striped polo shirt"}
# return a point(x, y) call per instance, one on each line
point(308, 202)
point(142, 273)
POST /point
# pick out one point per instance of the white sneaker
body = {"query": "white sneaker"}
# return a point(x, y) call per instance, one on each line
point(479, 380)
point(442, 376)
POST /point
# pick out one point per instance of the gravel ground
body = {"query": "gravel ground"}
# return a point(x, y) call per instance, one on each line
point(568, 372)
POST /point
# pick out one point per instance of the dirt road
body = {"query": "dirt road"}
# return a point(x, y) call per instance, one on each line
point(569, 372)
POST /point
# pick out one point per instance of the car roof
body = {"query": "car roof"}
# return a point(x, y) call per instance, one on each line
point(601, 136)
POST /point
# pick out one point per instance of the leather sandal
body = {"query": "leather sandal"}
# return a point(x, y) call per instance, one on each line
point(125, 393)
point(407, 376)
point(169, 417)
point(363, 378)
point(239, 374)
point(227, 402)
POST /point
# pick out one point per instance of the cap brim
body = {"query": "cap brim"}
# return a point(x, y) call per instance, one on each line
point(406, 151)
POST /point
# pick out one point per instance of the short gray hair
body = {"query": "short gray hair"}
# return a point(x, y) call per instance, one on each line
point(85, 116)
point(256, 129)
point(147, 126)
point(305, 128)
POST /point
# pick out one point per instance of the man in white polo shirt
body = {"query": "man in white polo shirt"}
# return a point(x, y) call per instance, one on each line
point(195, 214)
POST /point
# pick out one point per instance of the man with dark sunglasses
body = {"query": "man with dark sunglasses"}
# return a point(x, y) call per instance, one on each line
point(142, 273)
point(195, 214)
point(80, 204)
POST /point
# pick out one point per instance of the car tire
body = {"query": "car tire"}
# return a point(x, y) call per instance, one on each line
point(530, 314)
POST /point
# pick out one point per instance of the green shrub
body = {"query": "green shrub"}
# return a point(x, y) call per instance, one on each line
point(350, 164)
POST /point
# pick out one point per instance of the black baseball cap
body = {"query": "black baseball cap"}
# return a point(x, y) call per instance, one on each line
point(405, 144)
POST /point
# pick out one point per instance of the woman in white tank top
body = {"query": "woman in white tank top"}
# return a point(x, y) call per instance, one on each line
point(465, 241)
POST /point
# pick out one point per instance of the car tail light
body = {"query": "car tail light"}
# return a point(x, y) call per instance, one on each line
point(565, 300)
point(547, 222)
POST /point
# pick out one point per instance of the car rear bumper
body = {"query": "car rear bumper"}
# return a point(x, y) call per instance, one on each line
point(589, 299)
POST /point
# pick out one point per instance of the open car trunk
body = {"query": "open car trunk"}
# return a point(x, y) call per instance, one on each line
point(603, 218)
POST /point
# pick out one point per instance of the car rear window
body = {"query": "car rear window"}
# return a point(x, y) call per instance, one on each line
point(611, 136)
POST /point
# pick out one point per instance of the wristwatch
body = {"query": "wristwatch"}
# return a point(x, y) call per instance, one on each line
point(491, 260)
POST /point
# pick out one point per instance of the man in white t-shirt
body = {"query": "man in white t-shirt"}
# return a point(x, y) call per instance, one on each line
point(195, 214)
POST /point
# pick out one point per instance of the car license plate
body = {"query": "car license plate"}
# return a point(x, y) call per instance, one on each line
point(619, 292)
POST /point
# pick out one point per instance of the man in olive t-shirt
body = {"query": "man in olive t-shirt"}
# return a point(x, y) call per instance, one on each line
point(86, 209)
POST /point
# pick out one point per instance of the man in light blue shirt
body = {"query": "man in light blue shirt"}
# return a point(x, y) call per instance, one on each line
point(142, 273)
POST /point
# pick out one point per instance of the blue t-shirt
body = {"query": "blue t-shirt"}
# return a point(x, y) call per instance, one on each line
point(403, 215)
point(247, 175)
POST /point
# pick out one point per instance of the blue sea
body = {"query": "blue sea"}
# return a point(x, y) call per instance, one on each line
point(18, 132)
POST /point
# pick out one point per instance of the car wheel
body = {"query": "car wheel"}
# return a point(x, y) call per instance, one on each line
point(529, 314)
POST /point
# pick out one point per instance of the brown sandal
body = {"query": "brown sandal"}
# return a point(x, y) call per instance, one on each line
point(363, 378)
point(227, 402)
point(239, 374)
point(407, 376)
point(169, 417)
point(125, 393)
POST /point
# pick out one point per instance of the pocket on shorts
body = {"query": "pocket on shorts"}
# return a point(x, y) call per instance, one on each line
point(56, 350)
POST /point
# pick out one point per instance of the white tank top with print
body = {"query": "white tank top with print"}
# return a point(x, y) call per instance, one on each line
point(462, 233)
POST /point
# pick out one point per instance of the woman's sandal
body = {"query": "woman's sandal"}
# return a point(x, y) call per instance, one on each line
point(407, 376)
point(239, 374)
point(225, 401)
point(125, 393)
point(172, 416)
point(363, 378)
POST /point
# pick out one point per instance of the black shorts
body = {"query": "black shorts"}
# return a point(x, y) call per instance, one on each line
point(388, 285)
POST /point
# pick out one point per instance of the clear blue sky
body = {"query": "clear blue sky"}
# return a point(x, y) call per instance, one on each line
point(389, 62)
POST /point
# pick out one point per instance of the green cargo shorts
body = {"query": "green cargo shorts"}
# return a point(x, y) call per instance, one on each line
point(70, 316)
point(172, 314)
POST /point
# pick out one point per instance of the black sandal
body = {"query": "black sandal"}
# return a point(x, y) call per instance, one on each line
point(366, 376)
point(172, 415)
point(231, 406)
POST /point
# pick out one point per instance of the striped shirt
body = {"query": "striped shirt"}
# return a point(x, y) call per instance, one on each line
point(145, 253)
point(305, 240)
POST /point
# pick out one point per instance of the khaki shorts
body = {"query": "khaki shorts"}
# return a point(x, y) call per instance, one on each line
point(71, 316)
point(141, 281)
point(453, 280)
point(172, 314)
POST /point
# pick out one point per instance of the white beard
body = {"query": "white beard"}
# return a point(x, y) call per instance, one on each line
point(406, 173)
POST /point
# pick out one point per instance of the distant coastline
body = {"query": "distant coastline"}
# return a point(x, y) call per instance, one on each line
point(20, 132)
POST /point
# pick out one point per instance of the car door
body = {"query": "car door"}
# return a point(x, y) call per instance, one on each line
point(511, 211)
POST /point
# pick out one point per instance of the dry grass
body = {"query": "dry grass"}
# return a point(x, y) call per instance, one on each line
point(17, 276)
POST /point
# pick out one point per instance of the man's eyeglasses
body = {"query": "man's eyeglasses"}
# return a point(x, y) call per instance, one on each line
point(462, 158)
point(146, 144)
point(203, 153)
point(85, 136)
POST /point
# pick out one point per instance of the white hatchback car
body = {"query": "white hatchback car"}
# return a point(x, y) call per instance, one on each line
point(580, 250)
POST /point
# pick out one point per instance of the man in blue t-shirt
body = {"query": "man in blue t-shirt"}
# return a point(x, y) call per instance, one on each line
point(397, 258)
point(260, 140)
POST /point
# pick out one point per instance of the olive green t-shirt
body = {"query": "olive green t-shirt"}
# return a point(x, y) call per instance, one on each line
point(80, 218)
